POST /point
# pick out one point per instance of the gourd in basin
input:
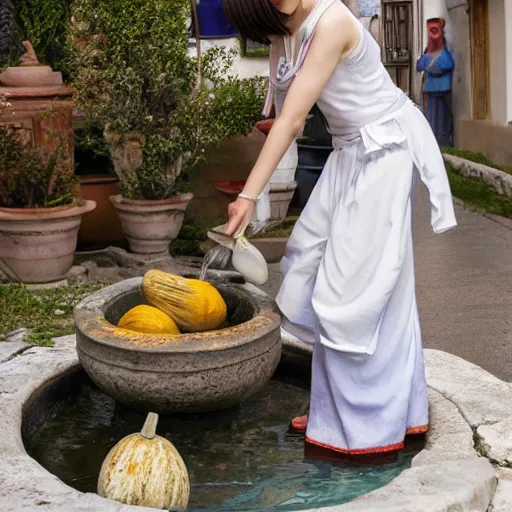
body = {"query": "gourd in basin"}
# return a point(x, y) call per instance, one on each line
point(195, 305)
point(148, 320)
point(189, 372)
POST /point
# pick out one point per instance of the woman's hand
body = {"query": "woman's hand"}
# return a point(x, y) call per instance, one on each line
point(240, 214)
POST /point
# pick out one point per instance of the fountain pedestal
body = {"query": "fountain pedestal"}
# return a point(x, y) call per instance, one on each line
point(191, 372)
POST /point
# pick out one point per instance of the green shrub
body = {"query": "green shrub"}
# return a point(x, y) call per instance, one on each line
point(29, 178)
point(132, 74)
point(11, 47)
point(44, 23)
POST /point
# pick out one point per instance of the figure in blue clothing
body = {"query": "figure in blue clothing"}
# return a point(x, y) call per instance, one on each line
point(438, 64)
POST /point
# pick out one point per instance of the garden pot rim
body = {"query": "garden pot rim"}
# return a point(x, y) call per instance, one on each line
point(314, 146)
point(98, 179)
point(235, 187)
point(265, 125)
point(58, 212)
point(118, 199)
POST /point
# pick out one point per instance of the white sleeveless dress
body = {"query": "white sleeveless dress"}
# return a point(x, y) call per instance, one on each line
point(348, 284)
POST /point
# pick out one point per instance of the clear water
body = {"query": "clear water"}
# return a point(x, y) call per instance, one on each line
point(219, 256)
point(242, 459)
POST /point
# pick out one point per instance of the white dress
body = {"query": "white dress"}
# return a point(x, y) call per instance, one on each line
point(348, 269)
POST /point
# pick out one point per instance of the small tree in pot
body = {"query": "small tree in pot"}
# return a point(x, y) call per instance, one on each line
point(133, 74)
point(40, 211)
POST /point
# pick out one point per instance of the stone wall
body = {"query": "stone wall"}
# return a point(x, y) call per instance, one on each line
point(491, 139)
point(232, 161)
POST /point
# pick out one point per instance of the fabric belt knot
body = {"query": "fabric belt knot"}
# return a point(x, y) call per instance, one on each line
point(373, 138)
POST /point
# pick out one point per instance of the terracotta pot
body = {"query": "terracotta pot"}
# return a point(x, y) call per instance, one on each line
point(38, 245)
point(265, 125)
point(150, 226)
point(101, 227)
point(281, 195)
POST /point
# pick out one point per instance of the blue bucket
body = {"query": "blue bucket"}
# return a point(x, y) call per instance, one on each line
point(212, 20)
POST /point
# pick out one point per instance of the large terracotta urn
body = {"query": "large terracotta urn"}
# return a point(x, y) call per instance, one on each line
point(100, 227)
point(39, 105)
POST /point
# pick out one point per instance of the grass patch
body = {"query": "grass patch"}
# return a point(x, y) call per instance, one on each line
point(478, 194)
point(477, 158)
point(47, 313)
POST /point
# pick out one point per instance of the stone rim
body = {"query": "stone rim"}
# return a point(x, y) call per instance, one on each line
point(430, 485)
point(91, 323)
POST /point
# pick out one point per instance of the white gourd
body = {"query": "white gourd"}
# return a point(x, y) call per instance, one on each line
point(145, 470)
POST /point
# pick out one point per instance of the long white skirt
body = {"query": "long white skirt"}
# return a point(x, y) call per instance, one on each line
point(349, 288)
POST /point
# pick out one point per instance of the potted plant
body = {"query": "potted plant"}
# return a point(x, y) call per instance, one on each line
point(40, 212)
point(98, 182)
point(132, 74)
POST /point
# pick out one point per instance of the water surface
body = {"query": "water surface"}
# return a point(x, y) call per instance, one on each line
point(242, 459)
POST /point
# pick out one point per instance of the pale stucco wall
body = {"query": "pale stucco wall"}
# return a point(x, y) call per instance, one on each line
point(244, 67)
point(508, 57)
point(498, 62)
point(460, 45)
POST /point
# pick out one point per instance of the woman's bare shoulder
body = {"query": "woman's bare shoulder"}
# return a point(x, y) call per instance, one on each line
point(339, 20)
point(335, 14)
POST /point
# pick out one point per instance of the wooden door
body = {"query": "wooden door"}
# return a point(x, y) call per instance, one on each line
point(479, 37)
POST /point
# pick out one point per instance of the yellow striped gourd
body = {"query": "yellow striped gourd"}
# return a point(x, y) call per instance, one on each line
point(148, 320)
point(194, 305)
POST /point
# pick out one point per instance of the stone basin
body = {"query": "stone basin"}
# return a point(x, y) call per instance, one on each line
point(453, 472)
point(187, 373)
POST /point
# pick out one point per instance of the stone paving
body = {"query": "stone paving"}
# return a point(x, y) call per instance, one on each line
point(464, 286)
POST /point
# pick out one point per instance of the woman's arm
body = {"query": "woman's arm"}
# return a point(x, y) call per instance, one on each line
point(336, 34)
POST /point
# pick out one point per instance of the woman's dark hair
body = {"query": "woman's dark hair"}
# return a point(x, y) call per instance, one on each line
point(256, 19)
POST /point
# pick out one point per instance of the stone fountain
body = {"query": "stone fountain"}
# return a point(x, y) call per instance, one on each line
point(190, 372)
point(464, 464)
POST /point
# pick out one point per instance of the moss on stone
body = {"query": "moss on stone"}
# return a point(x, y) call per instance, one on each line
point(478, 194)
point(478, 158)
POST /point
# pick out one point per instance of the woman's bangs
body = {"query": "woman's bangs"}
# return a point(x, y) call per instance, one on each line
point(256, 19)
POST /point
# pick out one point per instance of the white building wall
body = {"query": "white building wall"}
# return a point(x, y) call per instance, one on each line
point(460, 45)
point(244, 67)
point(508, 57)
point(498, 61)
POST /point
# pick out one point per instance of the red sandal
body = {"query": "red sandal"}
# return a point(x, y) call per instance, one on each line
point(299, 424)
